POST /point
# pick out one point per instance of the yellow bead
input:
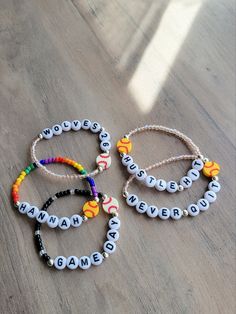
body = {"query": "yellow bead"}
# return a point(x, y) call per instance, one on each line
point(91, 209)
point(23, 173)
point(124, 146)
point(211, 169)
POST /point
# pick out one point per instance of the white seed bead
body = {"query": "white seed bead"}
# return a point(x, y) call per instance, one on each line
point(172, 186)
point(141, 207)
point(95, 127)
point(160, 185)
point(57, 129)
point(85, 124)
point(76, 220)
point(150, 181)
point(84, 262)
point(186, 182)
point(176, 213)
point(109, 247)
point(42, 216)
point(105, 145)
point(60, 262)
point(47, 133)
point(126, 160)
point(113, 235)
point(64, 223)
point(114, 223)
point(164, 213)
point(132, 168)
point(203, 204)
point(66, 126)
point(152, 211)
point(198, 164)
point(104, 136)
point(32, 212)
point(210, 196)
point(72, 262)
point(132, 200)
point(52, 221)
point(23, 207)
point(140, 174)
point(193, 174)
point(96, 258)
point(193, 210)
point(75, 125)
point(214, 186)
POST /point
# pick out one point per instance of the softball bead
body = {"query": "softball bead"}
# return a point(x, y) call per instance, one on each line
point(57, 129)
point(66, 126)
point(60, 262)
point(164, 213)
point(96, 258)
point(113, 235)
point(105, 145)
point(214, 186)
point(72, 262)
point(75, 125)
point(91, 209)
point(132, 168)
point(110, 205)
point(152, 211)
point(84, 262)
point(104, 160)
point(132, 200)
point(210, 196)
point(211, 169)
point(126, 160)
point(124, 146)
point(109, 247)
point(114, 223)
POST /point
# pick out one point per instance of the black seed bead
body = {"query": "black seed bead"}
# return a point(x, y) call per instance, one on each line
point(46, 257)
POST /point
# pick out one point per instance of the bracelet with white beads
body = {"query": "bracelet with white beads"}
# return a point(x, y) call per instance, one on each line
point(110, 205)
point(103, 160)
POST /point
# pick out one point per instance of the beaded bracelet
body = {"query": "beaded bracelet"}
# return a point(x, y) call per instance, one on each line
point(103, 160)
point(84, 262)
point(91, 208)
point(124, 147)
point(176, 213)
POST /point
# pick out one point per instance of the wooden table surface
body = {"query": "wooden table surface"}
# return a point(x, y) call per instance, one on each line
point(124, 64)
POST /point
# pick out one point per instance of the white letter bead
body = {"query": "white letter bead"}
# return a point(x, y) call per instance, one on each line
point(66, 126)
point(126, 160)
point(105, 145)
point(150, 181)
point(42, 216)
point(72, 262)
point(197, 164)
point(96, 258)
point(64, 223)
point(114, 223)
point(47, 133)
point(57, 129)
point(104, 136)
point(53, 221)
point(203, 204)
point(160, 185)
point(141, 207)
point(95, 127)
point(84, 262)
point(75, 125)
point(152, 211)
point(60, 262)
point(141, 174)
point(109, 247)
point(32, 212)
point(193, 210)
point(186, 182)
point(23, 207)
point(193, 174)
point(210, 196)
point(176, 213)
point(164, 213)
point(172, 186)
point(214, 186)
point(76, 220)
point(132, 168)
point(132, 200)
point(85, 124)
point(113, 235)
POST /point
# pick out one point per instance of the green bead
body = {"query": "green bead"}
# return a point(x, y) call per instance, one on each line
point(31, 166)
point(27, 171)
point(83, 171)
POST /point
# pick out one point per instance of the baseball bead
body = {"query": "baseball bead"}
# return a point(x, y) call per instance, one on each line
point(124, 146)
point(211, 169)
point(110, 205)
point(91, 209)
point(104, 161)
